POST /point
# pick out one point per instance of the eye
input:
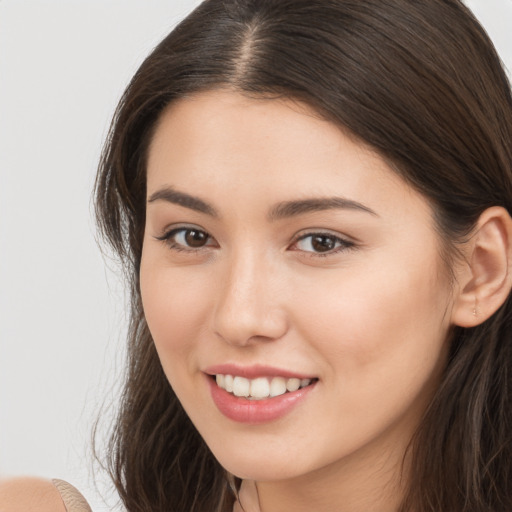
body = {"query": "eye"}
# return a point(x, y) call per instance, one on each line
point(322, 244)
point(187, 239)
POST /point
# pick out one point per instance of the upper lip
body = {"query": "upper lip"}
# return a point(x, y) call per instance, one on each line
point(254, 371)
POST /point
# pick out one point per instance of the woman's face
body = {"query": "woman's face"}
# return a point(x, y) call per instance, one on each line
point(283, 253)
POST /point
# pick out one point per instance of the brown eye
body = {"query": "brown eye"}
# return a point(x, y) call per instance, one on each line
point(195, 238)
point(323, 243)
point(187, 239)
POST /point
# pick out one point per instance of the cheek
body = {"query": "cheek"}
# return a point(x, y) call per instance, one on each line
point(379, 330)
point(381, 348)
point(175, 305)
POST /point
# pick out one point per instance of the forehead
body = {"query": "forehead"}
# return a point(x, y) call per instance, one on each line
point(225, 145)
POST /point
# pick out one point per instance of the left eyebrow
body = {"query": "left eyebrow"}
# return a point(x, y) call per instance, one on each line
point(171, 195)
point(293, 208)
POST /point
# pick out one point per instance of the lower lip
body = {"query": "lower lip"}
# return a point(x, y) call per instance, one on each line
point(243, 410)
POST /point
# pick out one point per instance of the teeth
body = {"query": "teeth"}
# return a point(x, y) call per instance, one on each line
point(228, 383)
point(277, 386)
point(292, 384)
point(260, 388)
point(241, 386)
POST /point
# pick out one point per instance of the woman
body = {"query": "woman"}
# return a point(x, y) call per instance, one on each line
point(311, 202)
point(315, 194)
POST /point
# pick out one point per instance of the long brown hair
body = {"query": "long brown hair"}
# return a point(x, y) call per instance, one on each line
point(420, 82)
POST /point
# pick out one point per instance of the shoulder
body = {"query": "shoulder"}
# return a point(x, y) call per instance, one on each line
point(30, 494)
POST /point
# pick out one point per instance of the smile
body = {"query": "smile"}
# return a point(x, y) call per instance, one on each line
point(259, 394)
point(260, 388)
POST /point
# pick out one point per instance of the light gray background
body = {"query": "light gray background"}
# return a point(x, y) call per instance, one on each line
point(63, 66)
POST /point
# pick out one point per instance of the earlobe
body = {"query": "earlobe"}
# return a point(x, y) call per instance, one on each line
point(486, 280)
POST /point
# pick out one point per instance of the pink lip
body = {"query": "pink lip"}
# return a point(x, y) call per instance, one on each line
point(243, 410)
point(254, 371)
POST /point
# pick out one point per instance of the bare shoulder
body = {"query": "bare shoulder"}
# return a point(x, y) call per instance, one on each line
point(29, 494)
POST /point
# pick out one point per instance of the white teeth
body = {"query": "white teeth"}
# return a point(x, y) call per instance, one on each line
point(261, 387)
point(277, 386)
point(241, 386)
point(228, 383)
point(292, 384)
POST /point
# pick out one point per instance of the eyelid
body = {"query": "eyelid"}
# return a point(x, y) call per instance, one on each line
point(346, 243)
point(171, 231)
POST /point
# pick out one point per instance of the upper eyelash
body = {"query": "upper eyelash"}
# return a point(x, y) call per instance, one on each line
point(167, 239)
point(346, 244)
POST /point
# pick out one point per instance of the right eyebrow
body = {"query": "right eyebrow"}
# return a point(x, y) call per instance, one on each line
point(316, 204)
point(171, 195)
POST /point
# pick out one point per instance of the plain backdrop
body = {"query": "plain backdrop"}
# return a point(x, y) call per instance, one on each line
point(63, 66)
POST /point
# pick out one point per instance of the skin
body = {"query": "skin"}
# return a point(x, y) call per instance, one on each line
point(369, 319)
point(26, 494)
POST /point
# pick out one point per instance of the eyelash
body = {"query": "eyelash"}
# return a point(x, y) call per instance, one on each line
point(343, 244)
point(168, 239)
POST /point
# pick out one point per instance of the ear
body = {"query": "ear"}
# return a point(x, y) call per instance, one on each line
point(485, 280)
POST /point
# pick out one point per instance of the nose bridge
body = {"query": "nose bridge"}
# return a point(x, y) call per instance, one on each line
point(248, 305)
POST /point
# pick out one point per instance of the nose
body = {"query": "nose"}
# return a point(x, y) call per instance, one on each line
point(249, 306)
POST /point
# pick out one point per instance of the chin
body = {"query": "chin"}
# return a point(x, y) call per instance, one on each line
point(247, 464)
point(261, 471)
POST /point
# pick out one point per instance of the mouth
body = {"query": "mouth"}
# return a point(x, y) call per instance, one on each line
point(260, 388)
point(258, 394)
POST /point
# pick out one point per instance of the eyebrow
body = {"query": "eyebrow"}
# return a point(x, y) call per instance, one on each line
point(282, 210)
point(171, 195)
point(293, 208)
